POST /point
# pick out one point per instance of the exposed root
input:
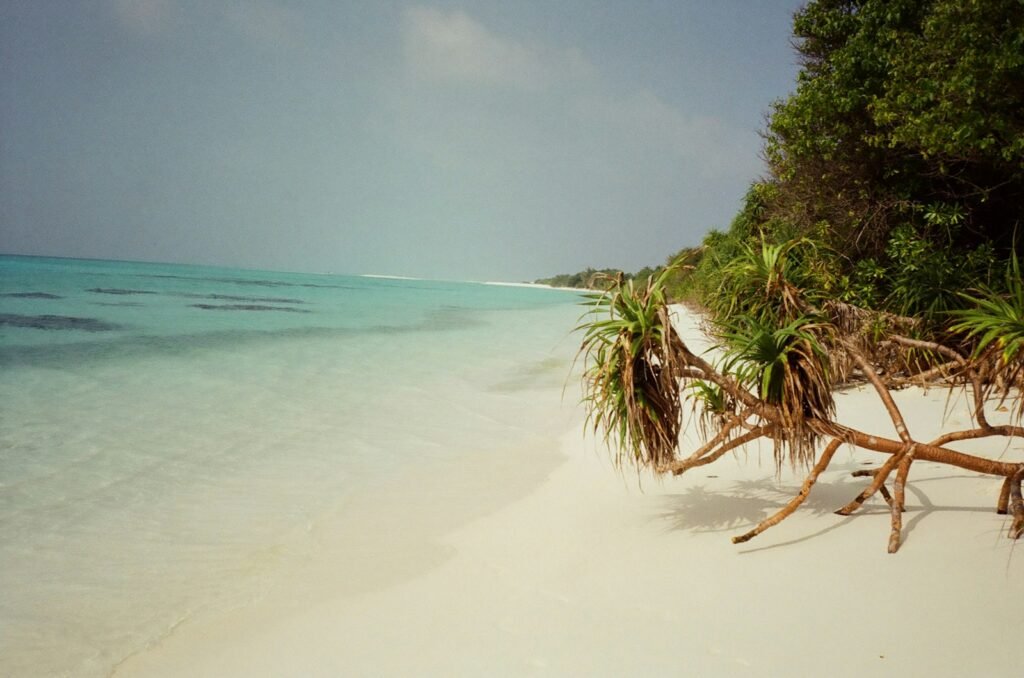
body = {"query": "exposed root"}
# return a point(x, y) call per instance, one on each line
point(950, 353)
point(896, 505)
point(904, 451)
point(823, 462)
point(1007, 431)
point(1004, 496)
point(679, 467)
point(925, 451)
point(1016, 504)
point(720, 438)
point(800, 415)
point(883, 393)
point(880, 476)
point(937, 374)
point(882, 489)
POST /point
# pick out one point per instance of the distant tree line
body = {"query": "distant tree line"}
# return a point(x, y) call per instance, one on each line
point(596, 279)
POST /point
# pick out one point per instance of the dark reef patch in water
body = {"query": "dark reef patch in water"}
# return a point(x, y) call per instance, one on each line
point(117, 290)
point(248, 307)
point(56, 322)
point(249, 282)
point(232, 297)
point(31, 295)
point(119, 346)
point(236, 281)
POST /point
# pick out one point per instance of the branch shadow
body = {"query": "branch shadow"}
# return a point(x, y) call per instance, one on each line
point(746, 503)
point(927, 508)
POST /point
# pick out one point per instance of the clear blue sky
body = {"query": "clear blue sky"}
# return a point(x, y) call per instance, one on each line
point(472, 140)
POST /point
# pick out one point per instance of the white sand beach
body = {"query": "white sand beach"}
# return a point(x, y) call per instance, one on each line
point(557, 564)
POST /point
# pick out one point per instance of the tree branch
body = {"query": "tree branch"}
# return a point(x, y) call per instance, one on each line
point(883, 392)
point(679, 467)
point(1017, 504)
point(899, 498)
point(880, 476)
point(794, 503)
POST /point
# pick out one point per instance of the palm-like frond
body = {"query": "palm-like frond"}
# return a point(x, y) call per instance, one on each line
point(711, 403)
point(631, 371)
point(995, 322)
point(760, 282)
point(787, 367)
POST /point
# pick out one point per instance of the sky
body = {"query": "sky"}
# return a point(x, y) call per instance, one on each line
point(474, 140)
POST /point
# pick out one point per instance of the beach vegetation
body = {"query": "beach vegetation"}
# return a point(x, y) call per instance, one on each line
point(589, 278)
point(776, 383)
point(879, 249)
point(632, 372)
point(786, 367)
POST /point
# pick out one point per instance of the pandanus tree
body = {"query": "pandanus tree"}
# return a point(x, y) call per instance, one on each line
point(785, 350)
point(869, 253)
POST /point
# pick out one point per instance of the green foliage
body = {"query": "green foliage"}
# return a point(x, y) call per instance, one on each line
point(598, 279)
point(995, 324)
point(863, 284)
point(631, 377)
point(679, 280)
point(711, 397)
point(904, 109)
point(763, 281)
point(589, 278)
point(711, 403)
point(996, 320)
point(926, 275)
point(953, 89)
point(787, 366)
point(763, 356)
point(896, 180)
point(896, 183)
point(898, 162)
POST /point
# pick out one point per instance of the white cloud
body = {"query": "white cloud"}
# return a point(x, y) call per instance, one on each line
point(142, 16)
point(453, 47)
point(620, 123)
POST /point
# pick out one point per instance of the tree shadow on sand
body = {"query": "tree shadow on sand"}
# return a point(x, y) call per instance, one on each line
point(745, 503)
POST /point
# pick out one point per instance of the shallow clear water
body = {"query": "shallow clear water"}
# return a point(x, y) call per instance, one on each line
point(170, 436)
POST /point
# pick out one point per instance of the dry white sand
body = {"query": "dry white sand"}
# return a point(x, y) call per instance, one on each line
point(588, 574)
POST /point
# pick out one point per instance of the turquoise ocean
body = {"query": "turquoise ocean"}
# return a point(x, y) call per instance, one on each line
point(177, 439)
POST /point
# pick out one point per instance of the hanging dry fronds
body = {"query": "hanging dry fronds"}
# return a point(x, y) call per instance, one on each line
point(632, 371)
point(776, 383)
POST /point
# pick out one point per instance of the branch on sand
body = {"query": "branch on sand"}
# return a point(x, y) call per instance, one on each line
point(775, 383)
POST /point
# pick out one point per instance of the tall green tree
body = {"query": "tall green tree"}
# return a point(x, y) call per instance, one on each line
point(904, 108)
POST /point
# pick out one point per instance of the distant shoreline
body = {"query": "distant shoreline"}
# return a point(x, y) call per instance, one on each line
point(533, 285)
